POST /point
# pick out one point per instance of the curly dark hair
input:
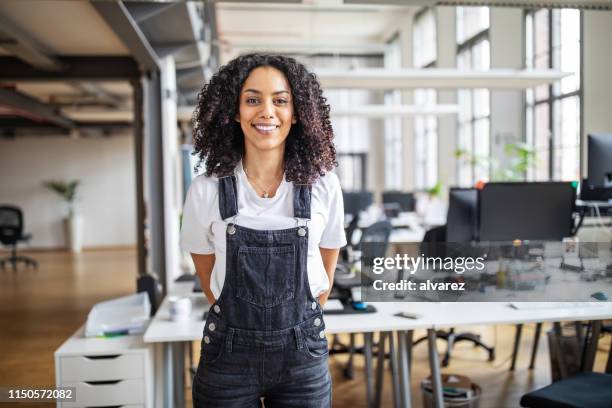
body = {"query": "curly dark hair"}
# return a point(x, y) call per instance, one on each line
point(218, 138)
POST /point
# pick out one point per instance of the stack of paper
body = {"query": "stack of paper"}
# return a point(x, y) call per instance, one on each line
point(124, 315)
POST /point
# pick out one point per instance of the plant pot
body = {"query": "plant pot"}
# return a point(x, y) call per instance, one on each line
point(73, 230)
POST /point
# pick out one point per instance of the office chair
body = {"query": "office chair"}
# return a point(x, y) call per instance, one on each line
point(433, 245)
point(376, 237)
point(11, 232)
point(585, 389)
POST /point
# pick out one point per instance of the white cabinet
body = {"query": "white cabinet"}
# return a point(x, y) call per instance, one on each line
point(106, 372)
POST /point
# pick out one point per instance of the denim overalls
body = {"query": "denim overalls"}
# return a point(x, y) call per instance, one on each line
point(265, 335)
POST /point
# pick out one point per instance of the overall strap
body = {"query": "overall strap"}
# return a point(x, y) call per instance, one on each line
point(228, 197)
point(301, 200)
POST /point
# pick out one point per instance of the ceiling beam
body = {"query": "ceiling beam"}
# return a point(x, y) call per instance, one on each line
point(118, 17)
point(75, 69)
point(165, 49)
point(144, 11)
point(581, 4)
point(384, 111)
point(33, 108)
point(21, 44)
point(102, 95)
point(438, 78)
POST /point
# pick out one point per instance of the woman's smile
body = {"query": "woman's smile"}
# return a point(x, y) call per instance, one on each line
point(265, 129)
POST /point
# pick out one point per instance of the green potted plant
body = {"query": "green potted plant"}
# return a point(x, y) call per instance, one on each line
point(73, 223)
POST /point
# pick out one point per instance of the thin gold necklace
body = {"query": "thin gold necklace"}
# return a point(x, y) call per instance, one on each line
point(266, 191)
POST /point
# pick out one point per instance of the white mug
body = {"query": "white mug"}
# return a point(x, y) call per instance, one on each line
point(180, 308)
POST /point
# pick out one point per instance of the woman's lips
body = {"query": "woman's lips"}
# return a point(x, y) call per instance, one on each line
point(265, 129)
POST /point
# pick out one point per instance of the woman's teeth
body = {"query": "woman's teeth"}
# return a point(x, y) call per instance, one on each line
point(265, 128)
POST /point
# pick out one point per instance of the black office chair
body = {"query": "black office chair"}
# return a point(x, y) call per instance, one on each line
point(582, 390)
point(11, 233)
point(375, 239)
point(434, 245)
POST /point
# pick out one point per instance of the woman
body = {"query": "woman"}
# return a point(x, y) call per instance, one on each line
point(264, 225)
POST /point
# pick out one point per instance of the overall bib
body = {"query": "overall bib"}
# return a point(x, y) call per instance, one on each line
point(265, 335)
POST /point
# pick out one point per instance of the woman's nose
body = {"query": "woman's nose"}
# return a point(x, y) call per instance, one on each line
point(268, 109)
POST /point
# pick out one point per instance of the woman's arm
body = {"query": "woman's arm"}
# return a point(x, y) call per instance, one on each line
point(330, 258)
point(204, 266)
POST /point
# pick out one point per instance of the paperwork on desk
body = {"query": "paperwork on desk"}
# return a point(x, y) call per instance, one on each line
point(124, 315)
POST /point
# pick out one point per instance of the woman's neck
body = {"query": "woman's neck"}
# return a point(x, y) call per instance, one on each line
point(266, 166)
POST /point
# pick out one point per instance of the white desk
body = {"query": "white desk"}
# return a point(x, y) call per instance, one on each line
point(433, 316)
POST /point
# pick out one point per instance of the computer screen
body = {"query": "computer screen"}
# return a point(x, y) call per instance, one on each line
point(600, 160)
point(356, 201)
point(405, 200)
point(462, 218)
point(526, 211)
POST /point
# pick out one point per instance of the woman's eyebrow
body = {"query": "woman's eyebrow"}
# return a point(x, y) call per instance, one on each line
point(259, 92)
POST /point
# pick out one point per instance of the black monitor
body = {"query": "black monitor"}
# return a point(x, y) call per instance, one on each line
point(600, 160)
point(356, 201)
point(462, 218)
point(405, 200)
point(526, 211)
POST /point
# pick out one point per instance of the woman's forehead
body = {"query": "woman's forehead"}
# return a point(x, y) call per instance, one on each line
point(266, 80)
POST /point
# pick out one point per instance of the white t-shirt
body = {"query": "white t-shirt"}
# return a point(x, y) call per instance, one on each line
point(203, 230)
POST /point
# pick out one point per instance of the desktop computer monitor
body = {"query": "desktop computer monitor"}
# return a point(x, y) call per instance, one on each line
point(599, 153)
point(462, 217)
point(526, 211)
point(356, 201)
point(405, 200)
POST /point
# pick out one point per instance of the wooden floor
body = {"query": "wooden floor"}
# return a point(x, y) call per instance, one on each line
point(40, 308)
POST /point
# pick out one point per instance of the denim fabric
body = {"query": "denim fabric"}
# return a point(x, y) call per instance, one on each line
point(264, 337)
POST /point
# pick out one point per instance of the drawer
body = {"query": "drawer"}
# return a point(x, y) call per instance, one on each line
point(103, 394)
point(101, 368)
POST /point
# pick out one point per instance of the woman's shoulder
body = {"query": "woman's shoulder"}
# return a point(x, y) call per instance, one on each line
point(203, 186)
point(328, 184)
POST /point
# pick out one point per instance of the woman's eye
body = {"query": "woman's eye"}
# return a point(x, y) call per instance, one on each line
point(251, 100)
point(281, 101)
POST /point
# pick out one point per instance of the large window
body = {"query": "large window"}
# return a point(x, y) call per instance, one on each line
point(473, 53)
point(425, 126)
point(553, 111)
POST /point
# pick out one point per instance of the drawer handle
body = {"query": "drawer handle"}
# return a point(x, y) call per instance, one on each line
point(109, 357)
point(103, 382)
point(105, 406)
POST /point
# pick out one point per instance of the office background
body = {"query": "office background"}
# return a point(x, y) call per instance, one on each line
point(102, 92)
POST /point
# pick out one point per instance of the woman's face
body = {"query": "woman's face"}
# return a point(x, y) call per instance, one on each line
point(266, 109)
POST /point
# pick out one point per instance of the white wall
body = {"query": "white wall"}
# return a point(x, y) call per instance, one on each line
point(596, 76)
point(105, 199)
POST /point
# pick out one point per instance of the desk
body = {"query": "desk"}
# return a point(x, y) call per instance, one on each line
point(173, 335)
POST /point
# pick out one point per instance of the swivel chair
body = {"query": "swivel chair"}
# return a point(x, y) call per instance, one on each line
point(11, 232)
point(584, 389)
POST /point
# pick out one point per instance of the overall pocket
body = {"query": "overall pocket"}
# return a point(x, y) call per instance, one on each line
point(266, 275)
point(315, 346)
point(212, 345)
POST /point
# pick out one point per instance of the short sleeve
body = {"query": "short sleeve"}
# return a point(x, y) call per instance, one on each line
point(197, 219)
point(333, 235)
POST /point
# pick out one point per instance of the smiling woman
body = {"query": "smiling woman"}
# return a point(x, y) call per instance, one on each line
point(264, 225)
point(219, 138)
